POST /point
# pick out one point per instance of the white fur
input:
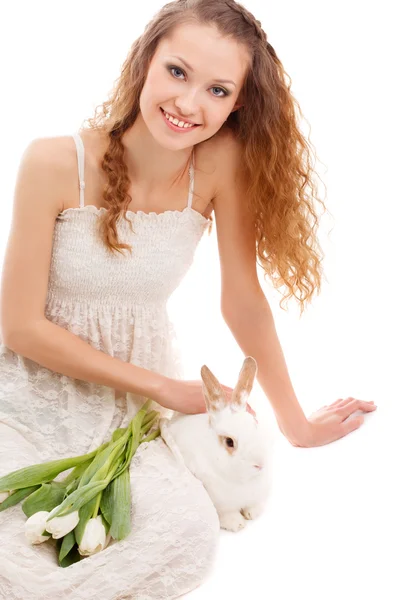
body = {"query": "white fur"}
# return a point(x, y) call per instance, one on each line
point(236, 487)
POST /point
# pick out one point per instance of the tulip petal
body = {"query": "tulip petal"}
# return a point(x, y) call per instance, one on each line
point(34, 527)
point(94, 537)
point(60, 526)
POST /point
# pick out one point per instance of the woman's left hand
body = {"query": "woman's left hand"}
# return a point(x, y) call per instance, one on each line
point(332, 422)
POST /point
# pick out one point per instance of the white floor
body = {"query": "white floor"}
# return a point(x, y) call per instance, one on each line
point(331, 527)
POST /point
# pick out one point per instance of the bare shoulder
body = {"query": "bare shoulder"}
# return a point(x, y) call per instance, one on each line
point(54, 160)
point(229, 176)
point(41, 179)
point(235, 225)
point(218, 157)
point(221, 149)
point(57, 152)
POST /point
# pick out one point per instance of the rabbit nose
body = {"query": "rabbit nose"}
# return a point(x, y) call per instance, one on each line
point(258, 467)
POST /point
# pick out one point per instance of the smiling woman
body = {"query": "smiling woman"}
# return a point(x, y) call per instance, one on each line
point(194, 98)
point(86, 334)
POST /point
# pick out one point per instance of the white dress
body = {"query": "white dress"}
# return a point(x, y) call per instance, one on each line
point(118, 304)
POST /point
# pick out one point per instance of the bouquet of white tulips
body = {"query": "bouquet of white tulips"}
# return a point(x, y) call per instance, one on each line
point(92, 504)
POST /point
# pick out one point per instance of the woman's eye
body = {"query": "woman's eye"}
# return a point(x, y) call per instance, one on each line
point(175, 69)
point(224, 92)
point(218, 88)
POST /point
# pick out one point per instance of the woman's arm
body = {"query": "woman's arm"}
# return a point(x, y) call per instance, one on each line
point(64, 352)
point(243, 304)
point(251, 322)
point(247, 313)
point(42, 182)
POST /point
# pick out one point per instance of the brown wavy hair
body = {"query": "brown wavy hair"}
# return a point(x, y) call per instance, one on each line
point(276, 156)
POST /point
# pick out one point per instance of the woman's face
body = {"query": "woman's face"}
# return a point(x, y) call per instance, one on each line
point(193, 91)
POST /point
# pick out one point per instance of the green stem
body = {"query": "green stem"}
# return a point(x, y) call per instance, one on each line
point(149, 417)
point(97, 505)
point(146, 427)
point(152, 436)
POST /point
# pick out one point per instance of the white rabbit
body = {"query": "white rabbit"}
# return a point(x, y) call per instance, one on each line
point(225, 448)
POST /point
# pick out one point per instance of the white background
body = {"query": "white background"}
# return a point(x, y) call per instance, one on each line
point(330, 529)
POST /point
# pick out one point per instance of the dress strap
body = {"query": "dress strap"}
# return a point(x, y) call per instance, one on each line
point(191, 186)
point(80, 149)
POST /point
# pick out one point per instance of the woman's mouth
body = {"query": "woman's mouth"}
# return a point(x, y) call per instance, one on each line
point(180, 126)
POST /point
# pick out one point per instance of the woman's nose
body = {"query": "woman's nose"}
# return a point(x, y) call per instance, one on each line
point(188, 107)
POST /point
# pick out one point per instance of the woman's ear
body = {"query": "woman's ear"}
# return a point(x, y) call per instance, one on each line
point(236, 107)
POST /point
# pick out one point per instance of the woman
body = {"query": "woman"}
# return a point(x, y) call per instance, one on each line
point(86, 279)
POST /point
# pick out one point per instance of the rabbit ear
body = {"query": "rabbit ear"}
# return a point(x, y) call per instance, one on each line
point(241, 392)
point(214, 395)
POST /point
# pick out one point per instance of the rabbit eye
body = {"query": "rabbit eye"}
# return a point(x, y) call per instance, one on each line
point(230, 443)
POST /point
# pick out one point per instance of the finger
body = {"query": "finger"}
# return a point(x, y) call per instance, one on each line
point(348, 409)
point(346, 401)
point(351, 424)
point(336, 402)
point(341, 402)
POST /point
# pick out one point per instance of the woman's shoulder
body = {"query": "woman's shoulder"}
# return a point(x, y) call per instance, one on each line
point(221, 155)
point(224, 139)
point(57, 153)
point(53, 150)
point(61, 150)
point(52, 159)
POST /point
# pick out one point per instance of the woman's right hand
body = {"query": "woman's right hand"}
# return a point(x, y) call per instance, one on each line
point(187, 396)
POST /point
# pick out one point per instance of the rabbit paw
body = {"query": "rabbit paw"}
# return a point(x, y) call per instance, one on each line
point(252, 512)
point(232, 521)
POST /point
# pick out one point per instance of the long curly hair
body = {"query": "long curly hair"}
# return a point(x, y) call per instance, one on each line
point(276, 156)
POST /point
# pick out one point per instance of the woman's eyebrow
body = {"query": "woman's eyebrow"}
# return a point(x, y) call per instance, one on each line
point(191, 69)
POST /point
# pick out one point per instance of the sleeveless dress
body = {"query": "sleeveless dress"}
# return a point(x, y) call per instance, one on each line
point(117, 304)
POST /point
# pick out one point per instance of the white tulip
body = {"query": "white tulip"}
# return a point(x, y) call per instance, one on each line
point(35, 526)
point(94, 537)
point(60, 526)
point(4, 496)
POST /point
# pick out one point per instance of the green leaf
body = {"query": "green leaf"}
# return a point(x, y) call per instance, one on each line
point(123, 461)
point(118, 433)
point(17, 496)
point(105, 523)
point(71, 487)
point(149, 417)
point(96, 467)
point(80, 497)
point(148, 423)
point(47, 497)
point(109, 467)
point(85, 513)
point(68, 542)
point(77, 472)
point(42, 472)
point(121, 506)
point(72, 557)
point(132, 446)
point(106, 503)
point(151, 436)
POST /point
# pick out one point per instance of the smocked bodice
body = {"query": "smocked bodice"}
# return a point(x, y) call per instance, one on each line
point(83, 269)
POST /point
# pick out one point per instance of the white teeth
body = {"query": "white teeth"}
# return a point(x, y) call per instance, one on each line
point(177, 122)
